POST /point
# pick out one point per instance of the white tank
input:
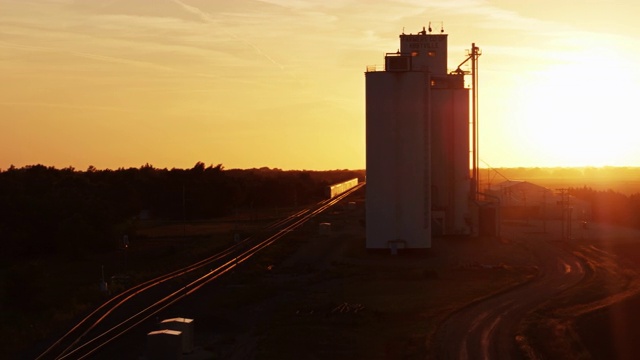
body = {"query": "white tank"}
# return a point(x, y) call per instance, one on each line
point(185, 326)
point(450, 153)
point(398, 157)
point(418, 158)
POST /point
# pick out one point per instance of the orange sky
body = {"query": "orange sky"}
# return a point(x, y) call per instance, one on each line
point(279, 83)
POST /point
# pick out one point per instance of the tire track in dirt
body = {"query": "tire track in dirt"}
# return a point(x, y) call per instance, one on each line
point(487, 329)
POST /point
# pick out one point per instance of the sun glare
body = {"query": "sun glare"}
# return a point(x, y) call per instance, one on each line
point(578, 113)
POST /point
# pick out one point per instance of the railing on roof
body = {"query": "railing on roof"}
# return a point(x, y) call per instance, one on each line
point(377, 68)
point(374, 68)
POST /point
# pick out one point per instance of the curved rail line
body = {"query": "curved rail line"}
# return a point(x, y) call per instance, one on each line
point(72, 345)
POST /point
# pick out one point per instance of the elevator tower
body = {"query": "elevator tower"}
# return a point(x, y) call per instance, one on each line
point(417, 133)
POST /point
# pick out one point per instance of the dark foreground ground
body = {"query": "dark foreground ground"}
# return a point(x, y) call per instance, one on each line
point(612, 331)
point(323, 296)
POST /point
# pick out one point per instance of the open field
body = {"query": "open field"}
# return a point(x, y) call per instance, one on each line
point(323, 296)
point(326, 297)
point(583, 322)
point(619, 179)
point(50, 291)
point(610, 331)
point(318, 296)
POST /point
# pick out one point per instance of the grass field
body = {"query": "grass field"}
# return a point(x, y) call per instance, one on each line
point(49, 292)
point(326, 297)
point(314, 295)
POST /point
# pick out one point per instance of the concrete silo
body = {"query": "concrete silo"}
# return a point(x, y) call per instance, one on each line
point(418, 152)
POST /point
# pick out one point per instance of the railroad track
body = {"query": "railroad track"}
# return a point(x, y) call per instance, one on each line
point(128, 309)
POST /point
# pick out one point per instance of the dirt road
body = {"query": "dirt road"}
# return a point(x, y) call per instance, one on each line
point(583, 285)
point(487, 329)
point(290, 302)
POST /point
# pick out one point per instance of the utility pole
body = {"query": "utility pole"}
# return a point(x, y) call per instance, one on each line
point(564, 203)
point(184, 213)
point(474, 54)
point(544, 211)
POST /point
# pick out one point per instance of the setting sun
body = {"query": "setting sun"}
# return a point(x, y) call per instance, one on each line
point(280, 83)
point(579, 112)
point(442, 179)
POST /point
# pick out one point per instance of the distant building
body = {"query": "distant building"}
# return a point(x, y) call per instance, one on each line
point(418, 152)
point(522, 199)
point(525, 200)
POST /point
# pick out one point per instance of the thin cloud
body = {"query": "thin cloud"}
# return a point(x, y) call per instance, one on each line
point(122, 61)
point(111, 59)
point(65, 106)
point(208, 18)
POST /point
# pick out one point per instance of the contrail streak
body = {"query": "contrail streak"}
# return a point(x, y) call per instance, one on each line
point(85, 55)
point(104, 58)
point(64, 106)
point(206, 17)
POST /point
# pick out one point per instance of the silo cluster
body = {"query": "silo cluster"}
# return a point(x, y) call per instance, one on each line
point(418, 146)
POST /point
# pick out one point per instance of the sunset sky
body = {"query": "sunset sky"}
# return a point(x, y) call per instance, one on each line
point(280, 83)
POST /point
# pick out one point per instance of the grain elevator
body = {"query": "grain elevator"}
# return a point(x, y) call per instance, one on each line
point(419, 178)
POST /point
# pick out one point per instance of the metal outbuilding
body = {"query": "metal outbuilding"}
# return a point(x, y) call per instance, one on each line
point(164, 345)
point(186, 327)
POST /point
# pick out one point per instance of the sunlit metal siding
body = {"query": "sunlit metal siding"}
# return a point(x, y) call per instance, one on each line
point(337, 189)
point(398, 157)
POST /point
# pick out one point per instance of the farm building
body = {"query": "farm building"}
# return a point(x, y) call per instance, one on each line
point(525, 200)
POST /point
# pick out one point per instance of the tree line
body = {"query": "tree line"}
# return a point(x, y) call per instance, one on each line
point(45, 210)
point(610, 206)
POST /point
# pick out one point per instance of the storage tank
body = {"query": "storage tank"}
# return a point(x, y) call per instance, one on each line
point(324, 228)
point(450, 153)
point(398, 157)
point(164, 345)
point(185, 326)
point(418, 151)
